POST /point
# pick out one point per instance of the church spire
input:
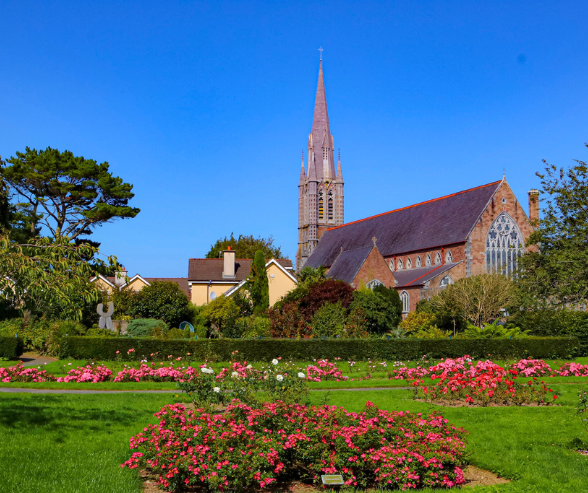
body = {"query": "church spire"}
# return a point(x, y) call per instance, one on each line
point(322, 140)
point(302, 173)
point(339, 170)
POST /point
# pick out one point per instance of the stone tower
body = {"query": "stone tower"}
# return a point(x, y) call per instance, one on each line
point(320, 189)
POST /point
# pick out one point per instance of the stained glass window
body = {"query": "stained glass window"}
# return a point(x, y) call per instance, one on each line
point(445, 281)
point(504, 245)
point(418, 262)
point(409, 263)
point(437, 258)
point(399, 264)
point(405, 298)
point(373, 283)
point(428, 261)
point(448, 257)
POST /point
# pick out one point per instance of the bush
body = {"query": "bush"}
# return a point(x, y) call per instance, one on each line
point(257, 327)
point(416, 321)
point(11, 347)
point(143, 327)
point(105, 348)
point(162, 300)
point(380, 314)
point(221, 313)
point(329, 320)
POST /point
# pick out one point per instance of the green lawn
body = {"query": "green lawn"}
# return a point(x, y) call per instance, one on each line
point(75, 443)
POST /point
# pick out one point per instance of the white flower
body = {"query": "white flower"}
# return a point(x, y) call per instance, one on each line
point(208, 371)
point(216, 389)
point(275, 362)
point(203, 370)
point(279, 378)
point(301, 375)
point(235, 374)
point(249, 367)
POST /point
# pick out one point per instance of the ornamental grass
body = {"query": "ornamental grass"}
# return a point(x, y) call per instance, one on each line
point(246, 448)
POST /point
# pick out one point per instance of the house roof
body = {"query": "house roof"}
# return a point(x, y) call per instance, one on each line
point(418, 277)
point(441, 221)
point(348, 263)
point(211, 269)
point(235, 288)
point(182, 282)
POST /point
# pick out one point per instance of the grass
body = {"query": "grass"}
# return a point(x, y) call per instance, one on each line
point(74, 443)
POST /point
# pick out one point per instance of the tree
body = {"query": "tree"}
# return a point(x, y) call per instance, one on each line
point(257, 284)
point(392, 296)
point(380, 315)
point(220, 313)
point(477, 299)
point(245, 247)
point(310, 275)
point(67, 194)
point(163, 300)
point(50, 278)
point(555, 272)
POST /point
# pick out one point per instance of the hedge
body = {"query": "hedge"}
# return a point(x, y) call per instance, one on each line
point(11, 347)
point(105, 348)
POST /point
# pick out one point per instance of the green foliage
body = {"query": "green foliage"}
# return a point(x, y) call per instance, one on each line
point(494, 331)
point(392, 296)
point(257, 284)
point(257, 326)
point(329, 320)
point(380, 314)
point(220, 313)
point(68, 195)
point(104, 348)
point(310, 275)
point(556, 271)
point(143, 327)
point(163, 300)
point(417, 321)
point(433, 332)
point(11, 347)
point(245, 247)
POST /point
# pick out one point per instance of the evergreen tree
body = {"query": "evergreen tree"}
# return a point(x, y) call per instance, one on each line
point(245, 247)
point(258, 285)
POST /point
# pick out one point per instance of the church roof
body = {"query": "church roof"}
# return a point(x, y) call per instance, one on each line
point(418, 277)
point(441, 221)
point(348, 263)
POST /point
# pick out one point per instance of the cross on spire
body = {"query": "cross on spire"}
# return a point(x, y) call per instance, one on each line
point(321, 55)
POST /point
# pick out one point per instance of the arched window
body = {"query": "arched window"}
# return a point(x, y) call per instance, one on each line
point(405, 298)
point(448, 257)
point(419, 263)
point(373, 283)
point(437, 258)
point(428, 261)
point(445, 281)
point(399, 264)
point(392, 266)
point(321, 206)
point(330, 206)
point(409, 263)
point(504, 245)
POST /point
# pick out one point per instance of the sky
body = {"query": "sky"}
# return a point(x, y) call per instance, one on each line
point(206, 107)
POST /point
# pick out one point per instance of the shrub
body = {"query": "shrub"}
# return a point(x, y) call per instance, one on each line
point(11, 347)
point(416, 321)
point(162, 300)
point(329, 320)
point(220, 314)
point(494, 331)
point(257, 327)
point(380, 315)
point(105, 348)
point(287, 321)
point(144, 327)
point(328, 291)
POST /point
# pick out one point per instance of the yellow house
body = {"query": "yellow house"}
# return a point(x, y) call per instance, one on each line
point(209, 278)
point(136, 283)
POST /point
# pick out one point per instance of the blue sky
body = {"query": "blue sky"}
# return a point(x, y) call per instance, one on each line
point(205, 107)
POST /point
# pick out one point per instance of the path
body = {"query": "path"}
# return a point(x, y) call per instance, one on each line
point(33, 359)
point(15, 390)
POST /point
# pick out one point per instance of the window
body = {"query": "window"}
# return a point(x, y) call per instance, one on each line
point(321, 206)
point(504, 245)
point(392, 265)
point(212, 296)
point(399, 264)
point(448, 257)
point(445, 281)
point(330, 207)
point(409, 263)
point(418, 262)
point(405, 298)
point(437, 258)
point(428, 261)
point(373, 283)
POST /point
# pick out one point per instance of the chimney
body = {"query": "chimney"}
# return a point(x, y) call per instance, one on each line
point(120, 277)
point(533, 206)
point(229, 263)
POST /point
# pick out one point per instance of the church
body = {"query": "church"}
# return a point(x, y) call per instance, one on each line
point(418, 249)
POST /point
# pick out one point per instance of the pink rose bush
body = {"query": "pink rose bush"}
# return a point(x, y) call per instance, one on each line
point(88, 373)
point(572, 370)
point(153, 373)
point(532, 367)
point(18, 373)
point(324, 370)
point(247, 448)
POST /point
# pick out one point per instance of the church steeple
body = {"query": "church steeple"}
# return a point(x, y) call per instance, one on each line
point(320, 191)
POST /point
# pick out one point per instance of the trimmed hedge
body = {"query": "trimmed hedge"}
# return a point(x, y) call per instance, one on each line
point(105, 348)
point(11, 347)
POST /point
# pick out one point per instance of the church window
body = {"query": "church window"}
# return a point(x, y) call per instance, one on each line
point(409, 263)
point(445, 281)
point(504, 245)
point(373, 283)
point(330, 206)
point(405, 298)
point(437, 258)
point(448, 257)
point(419, 263)
point(392, 265)
point(428, 261)
point(321, 206)
point(399, 264)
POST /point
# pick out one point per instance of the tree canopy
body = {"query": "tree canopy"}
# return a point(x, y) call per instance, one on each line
point(246, 246)
point(556, 270)
point(69, 195)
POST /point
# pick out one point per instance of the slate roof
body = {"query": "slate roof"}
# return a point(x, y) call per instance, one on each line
point(348, 263)
point(211, 269)
point(418, 277)
point(442, 221)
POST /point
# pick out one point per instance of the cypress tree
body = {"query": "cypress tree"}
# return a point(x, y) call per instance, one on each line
point(258, 285)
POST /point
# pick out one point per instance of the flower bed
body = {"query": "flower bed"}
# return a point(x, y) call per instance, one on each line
point(324, 370)
point(87, 373)
point(152, 373)
point(246, 448)
point(18, 373)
